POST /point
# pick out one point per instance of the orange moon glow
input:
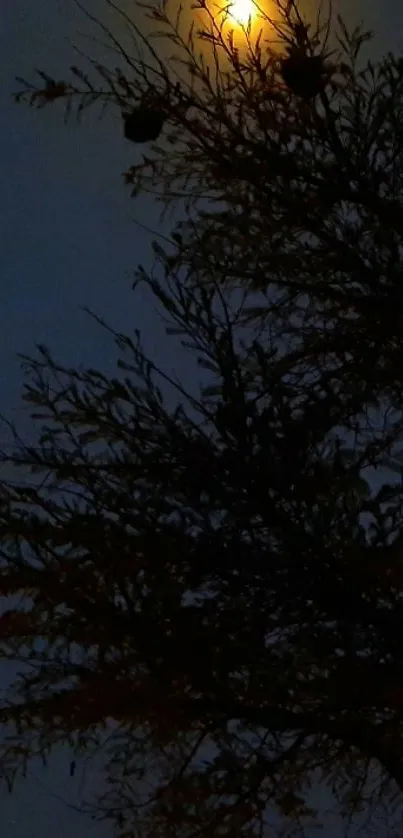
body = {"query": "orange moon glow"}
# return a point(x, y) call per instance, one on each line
point(241, 10)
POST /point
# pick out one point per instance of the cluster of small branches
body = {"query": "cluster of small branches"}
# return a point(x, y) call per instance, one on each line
point(213, 574)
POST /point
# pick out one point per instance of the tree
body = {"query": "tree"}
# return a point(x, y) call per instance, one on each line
point(219, 577)
point(300, 201)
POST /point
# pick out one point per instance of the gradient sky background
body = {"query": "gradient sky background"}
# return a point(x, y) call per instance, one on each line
point(67, 241)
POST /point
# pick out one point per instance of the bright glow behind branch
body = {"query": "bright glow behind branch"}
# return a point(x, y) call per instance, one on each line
point(241, 10)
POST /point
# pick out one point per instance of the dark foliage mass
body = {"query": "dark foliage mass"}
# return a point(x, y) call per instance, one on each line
point(215, 577)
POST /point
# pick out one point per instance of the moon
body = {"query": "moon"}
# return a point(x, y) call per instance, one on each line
point(241, 10)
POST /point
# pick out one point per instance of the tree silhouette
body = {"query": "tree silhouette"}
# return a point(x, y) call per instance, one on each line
point(217, 575)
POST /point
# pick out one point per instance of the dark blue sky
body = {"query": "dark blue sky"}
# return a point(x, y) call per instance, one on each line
point(66, 241)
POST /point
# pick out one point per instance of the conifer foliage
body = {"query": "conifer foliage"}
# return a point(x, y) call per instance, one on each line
point(216, 577)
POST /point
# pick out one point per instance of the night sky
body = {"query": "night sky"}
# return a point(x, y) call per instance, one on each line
point(67, 241)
